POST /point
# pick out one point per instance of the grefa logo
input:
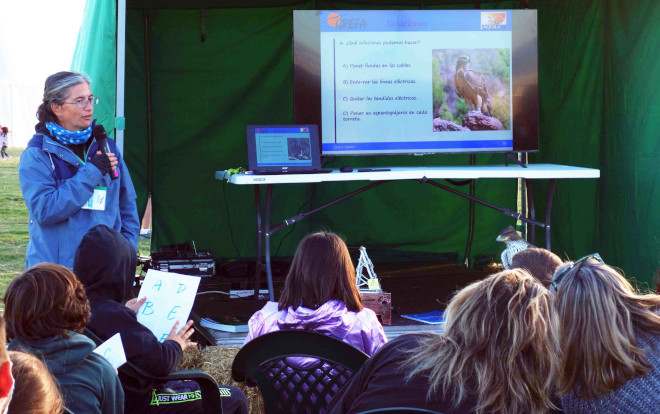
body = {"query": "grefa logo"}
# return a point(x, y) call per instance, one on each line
point(335, 20)
point(493, 20)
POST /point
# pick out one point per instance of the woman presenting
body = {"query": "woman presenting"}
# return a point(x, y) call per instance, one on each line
point(69, 184)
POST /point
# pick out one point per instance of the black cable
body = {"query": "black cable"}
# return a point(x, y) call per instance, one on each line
point(294, 224)
point(231, 232)
point(459, 183)
point(325, 161)
point(282, 239)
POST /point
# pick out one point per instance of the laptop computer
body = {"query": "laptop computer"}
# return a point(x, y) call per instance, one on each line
point(284, 149)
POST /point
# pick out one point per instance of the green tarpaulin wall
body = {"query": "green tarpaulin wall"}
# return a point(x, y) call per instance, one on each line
point(599, 72)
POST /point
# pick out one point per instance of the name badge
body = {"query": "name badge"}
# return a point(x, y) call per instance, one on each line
point(97, 201)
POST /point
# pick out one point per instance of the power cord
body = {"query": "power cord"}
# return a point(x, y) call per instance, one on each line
point(326, 161)
point(294, 224)
point(231, 295)
point(231, 232)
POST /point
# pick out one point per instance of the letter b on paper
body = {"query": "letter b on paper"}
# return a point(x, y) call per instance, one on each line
point(171, 297)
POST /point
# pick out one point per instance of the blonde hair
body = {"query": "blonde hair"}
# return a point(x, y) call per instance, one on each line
point(500, 341)
point(35, 390)
point(599, 314)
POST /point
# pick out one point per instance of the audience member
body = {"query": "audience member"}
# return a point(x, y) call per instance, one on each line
point(540, 263)
point(105, 263)
point(6, 378)
point(610, 341)
point(497, 354)
point(46, 310)
point(321, 294)
point(36, 391)
point(4, 141)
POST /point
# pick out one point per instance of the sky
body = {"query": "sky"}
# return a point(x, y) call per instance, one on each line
point(37, 38)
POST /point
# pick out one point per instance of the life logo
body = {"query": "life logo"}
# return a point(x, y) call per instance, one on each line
point(355, 23)
point(493, 20)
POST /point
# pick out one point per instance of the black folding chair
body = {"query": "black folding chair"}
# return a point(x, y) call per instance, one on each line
point(297, 371)
point(139, 382)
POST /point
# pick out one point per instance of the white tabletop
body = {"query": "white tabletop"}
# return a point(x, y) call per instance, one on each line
point(533, 171)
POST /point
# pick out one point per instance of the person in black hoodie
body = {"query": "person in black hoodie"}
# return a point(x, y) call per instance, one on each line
point(105, 263)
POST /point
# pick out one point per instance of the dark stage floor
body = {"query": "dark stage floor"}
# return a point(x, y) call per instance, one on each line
point(416, 287)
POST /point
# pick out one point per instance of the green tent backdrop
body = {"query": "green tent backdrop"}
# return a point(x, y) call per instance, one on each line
point(599, 69)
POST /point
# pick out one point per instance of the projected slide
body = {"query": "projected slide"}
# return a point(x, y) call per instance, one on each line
point(415, 81)
point(283, 146)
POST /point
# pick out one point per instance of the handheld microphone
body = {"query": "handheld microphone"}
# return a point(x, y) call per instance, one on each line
point(102, 141)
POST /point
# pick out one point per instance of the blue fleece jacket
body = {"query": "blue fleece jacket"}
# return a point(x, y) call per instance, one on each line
point(88, 382)
point(56, 184)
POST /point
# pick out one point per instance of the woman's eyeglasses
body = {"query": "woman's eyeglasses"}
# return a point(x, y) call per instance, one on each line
point(562, 273)
point(82, 103)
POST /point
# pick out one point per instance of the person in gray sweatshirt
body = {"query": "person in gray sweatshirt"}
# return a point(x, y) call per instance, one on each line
point(46, 310)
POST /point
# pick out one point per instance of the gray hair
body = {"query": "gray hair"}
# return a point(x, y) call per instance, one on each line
point(56, 90)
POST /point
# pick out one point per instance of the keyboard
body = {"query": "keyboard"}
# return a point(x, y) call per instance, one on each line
point(292, 172)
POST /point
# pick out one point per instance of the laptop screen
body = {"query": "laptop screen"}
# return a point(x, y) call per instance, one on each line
point(283, 147)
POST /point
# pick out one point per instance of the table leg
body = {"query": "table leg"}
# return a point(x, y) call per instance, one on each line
point(267, 234)
point(258, 264)
point(531, 212)
point(548, 210)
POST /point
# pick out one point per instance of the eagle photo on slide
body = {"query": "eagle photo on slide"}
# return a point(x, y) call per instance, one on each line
point(471, 86)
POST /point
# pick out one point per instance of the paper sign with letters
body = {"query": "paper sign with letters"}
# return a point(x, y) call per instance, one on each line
point(113, 351)
point(170, 298)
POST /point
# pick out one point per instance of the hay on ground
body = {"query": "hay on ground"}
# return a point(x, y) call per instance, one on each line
point(216, 361)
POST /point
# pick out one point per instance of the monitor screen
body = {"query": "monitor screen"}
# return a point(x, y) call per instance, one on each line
point(417, 81)
point(282, 147)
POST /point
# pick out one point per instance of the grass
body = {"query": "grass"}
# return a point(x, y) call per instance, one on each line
point(14, 223)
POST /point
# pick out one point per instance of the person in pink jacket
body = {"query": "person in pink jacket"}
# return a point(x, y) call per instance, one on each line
point(321, 295)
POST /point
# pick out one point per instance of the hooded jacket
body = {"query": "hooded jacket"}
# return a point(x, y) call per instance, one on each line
point(105, 263)
point(359, 329)
point(88, 382)
point(56, 184)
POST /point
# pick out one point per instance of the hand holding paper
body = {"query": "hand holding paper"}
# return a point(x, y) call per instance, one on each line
point(135, 304)
point(182, 336)
point(170, 299)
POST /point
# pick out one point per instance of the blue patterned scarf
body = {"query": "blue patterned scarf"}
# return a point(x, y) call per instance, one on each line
point(66, 137)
